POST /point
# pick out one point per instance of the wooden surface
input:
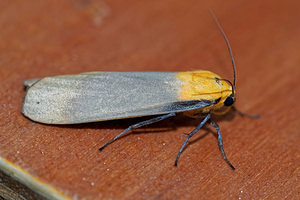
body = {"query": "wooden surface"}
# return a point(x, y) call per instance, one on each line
point(46, 38)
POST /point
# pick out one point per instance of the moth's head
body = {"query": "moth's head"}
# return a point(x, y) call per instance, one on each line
point(207, 86)
point(229, 100)
point(227, 97)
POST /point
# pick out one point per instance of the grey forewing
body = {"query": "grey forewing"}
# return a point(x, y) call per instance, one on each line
point(100, 96)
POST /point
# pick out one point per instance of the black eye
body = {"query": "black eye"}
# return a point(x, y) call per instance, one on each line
point(228, 101)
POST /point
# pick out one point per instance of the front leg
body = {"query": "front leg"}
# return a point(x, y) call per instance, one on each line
point(207, 117)
point(220, 142)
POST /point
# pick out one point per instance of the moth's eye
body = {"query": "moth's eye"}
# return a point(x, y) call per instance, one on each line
point(228, 101)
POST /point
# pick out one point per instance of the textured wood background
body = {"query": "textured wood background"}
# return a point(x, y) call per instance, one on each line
point(46, 38)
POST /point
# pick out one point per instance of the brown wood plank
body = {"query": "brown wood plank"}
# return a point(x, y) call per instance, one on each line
point(46, 38)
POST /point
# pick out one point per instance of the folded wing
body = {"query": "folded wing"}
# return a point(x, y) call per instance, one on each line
point(100, 96)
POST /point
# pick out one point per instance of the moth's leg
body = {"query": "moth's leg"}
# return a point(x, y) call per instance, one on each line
point(138, 125)
point(255, 116)
point(207, 117)
point(220, 142)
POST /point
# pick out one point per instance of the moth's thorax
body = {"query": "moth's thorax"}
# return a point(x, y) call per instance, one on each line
point(204, 85)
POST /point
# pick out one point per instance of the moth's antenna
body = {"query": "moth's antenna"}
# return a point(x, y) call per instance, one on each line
point(228, 45)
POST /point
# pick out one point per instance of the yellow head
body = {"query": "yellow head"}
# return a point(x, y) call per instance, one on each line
point(205, 85)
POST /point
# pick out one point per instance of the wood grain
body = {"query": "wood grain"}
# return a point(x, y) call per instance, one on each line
point(46, 38)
